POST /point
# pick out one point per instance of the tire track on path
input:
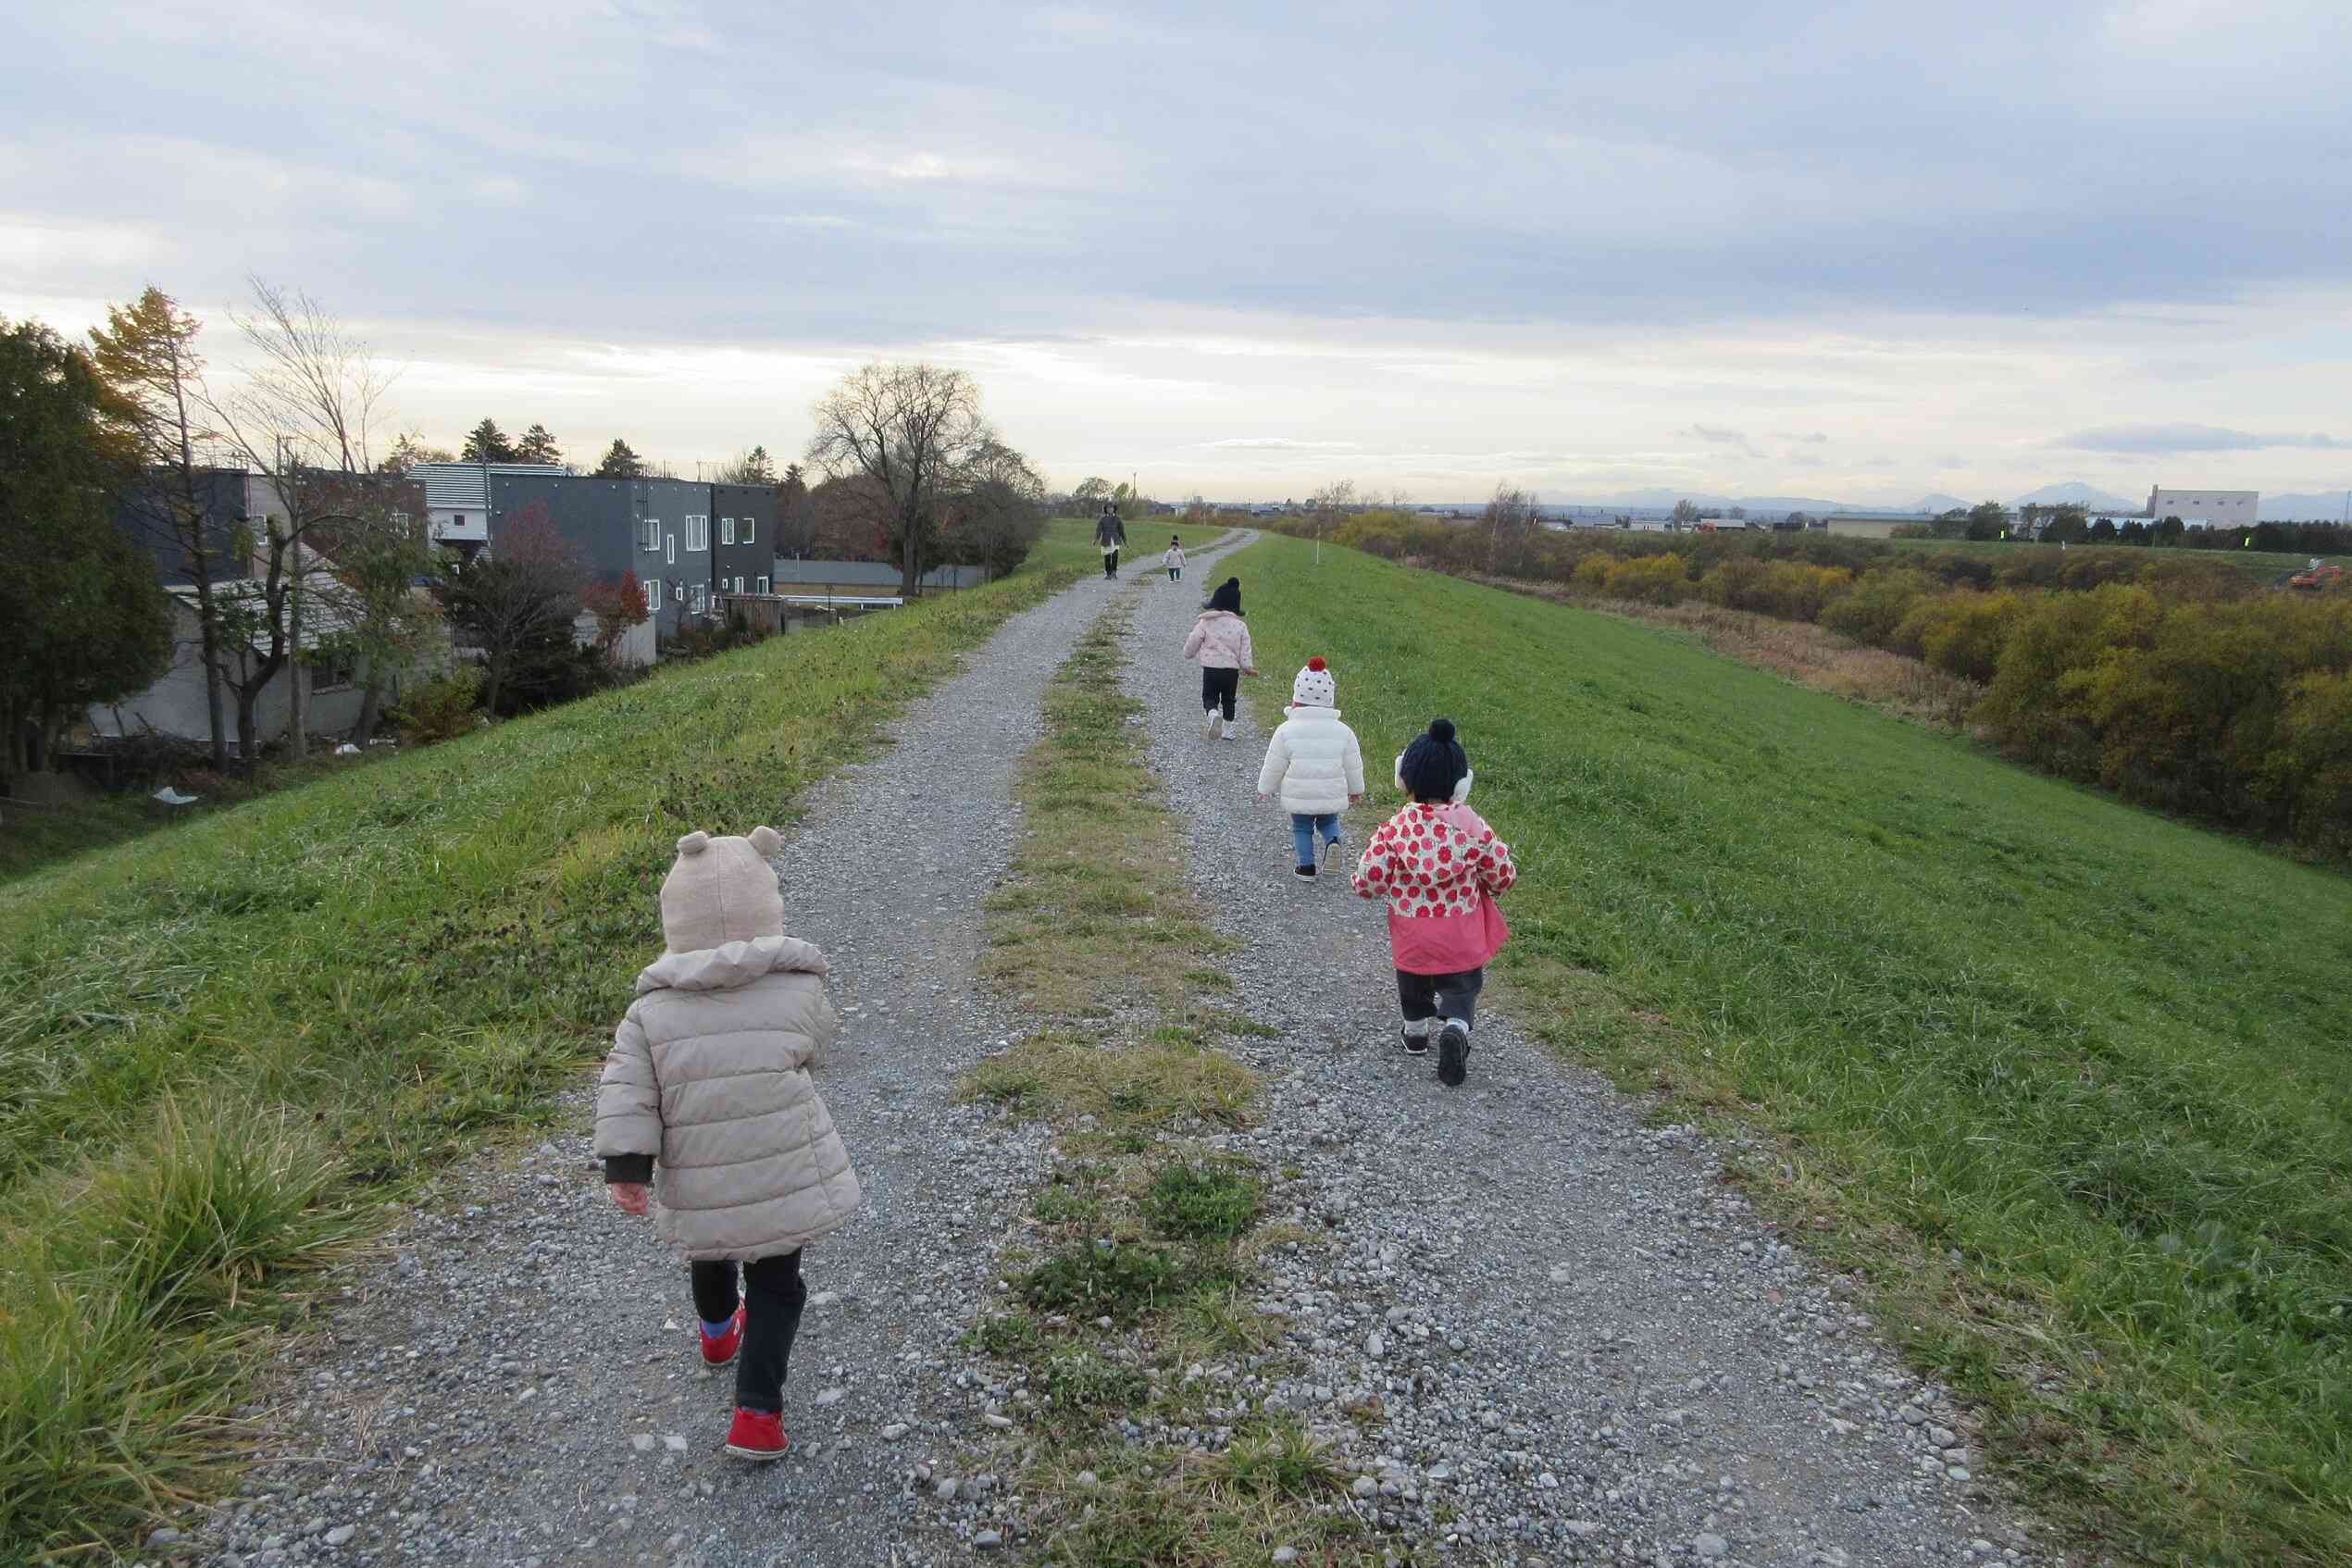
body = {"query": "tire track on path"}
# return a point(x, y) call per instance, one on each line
point(517, 1385)
point(1541, 1330)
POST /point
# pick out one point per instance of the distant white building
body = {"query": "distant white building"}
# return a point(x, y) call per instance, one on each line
point(2206, 508)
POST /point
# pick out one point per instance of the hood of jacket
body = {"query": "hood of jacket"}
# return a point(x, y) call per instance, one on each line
point(736, 964)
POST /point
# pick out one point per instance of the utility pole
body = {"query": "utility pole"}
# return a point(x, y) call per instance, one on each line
point(298, 730)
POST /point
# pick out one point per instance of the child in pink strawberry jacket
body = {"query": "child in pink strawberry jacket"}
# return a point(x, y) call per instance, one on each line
point(1440, 867)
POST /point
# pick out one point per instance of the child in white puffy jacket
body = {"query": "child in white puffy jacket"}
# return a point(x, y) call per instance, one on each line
point(1315, 762)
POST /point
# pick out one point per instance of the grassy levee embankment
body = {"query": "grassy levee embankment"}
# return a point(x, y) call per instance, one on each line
point(2069, 1081)
point(220, 1048)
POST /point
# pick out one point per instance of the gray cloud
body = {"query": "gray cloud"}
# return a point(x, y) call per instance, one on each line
point(930, 168)
point(2157, 439)
point(1275, 443)
point(1718, 434)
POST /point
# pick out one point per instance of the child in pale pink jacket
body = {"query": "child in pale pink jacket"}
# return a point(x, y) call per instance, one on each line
point(1440, 868)
point(1220, 640)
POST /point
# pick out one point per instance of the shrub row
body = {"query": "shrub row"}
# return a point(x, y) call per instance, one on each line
point(2179, 685)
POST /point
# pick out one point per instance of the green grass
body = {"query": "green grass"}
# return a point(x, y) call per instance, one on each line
point(2096, 1056)
point(382, 964)
point(1200, 1201)
point(2265, 565)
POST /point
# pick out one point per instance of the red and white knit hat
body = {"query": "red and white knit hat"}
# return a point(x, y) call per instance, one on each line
point(1314, 688)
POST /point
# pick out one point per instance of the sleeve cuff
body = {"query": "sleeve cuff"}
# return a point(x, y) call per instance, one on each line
point(636, 1169)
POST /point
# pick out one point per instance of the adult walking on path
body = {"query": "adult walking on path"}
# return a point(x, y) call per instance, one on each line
point(520, 1383)
point(1581, 1345)
point(1219, 642)
point(1111, 537)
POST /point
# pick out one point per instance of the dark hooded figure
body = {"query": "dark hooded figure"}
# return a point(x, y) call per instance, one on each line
point(1110, 534)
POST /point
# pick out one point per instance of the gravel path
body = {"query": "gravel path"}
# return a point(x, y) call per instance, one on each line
point(518, 1385)
point(1589, 1347)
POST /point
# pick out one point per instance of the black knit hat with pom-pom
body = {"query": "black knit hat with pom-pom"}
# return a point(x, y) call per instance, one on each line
point(1434, 763)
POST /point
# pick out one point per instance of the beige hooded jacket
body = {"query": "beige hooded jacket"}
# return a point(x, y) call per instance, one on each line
point(709, 1072)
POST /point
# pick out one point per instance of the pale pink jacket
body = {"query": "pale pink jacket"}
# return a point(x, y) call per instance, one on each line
point(1440, 867)
point(1220, 639)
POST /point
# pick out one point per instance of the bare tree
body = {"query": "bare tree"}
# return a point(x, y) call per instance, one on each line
point(910, 429)
point(304, 418)
point(1328, 505)
point(1510, 522)
point(518, 606)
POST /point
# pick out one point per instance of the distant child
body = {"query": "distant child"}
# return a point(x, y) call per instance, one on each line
point(1220, 640)
point(709, 1075)
point(1314, 762)
point(1174, 559)
point(1441, 869)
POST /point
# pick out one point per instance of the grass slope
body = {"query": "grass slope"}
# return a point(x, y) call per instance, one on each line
point(2069, 1078)
point(364, 972)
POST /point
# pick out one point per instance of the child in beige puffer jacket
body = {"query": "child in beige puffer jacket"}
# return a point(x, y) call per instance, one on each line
point(709, 1074)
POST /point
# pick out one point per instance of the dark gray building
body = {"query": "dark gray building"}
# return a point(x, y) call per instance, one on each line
point(744, 547)
point(662, 530)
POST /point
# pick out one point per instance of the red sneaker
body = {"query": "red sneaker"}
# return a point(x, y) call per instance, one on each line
point(756, 1434)
point(719, 1351)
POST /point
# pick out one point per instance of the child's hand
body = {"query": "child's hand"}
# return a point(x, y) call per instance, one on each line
point(630, 1195)
point(1262, 797)
point(1356, 797)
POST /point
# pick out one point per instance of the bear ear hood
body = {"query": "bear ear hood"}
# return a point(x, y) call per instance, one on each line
point(722, 890)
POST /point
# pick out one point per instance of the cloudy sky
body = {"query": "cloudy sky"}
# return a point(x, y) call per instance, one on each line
point(1862, 250)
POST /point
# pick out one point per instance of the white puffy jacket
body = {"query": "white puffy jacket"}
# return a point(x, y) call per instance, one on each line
point(1313, 761)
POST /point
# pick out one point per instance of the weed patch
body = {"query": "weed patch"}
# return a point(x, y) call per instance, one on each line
point(1104, 1279)
point(1201, 1202)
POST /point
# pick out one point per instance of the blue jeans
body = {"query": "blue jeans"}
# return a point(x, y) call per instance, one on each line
point(1304, 826)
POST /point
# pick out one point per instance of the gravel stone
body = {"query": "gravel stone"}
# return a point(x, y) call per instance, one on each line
point(518, 1272)
point(1569, 1273)
point(1619, 1355)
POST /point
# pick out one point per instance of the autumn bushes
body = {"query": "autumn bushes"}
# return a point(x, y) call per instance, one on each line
point(2179, 684)
point(2240, 712)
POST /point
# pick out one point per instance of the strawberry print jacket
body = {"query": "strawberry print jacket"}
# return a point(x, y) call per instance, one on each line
point(1440, 867)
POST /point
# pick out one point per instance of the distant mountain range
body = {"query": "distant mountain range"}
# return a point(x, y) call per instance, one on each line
point(2321, 505)
point(2311, 506)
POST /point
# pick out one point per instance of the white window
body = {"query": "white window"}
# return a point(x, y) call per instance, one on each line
point(763, 584)
point(652, 595)
point(677, 593)
point(698, 532)
point(697, 604)
point(738, 585)
point(649, 533)
point(747, 532)
point(727, 530)
point(672, 538)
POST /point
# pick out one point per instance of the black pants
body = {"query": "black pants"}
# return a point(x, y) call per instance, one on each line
point(1219, 686)
point(1440, 996)
point(774, 1295)
point(1110, 562)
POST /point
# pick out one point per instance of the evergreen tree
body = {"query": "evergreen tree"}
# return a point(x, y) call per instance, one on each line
point(87, 622)
point(538, 446)
point(486, 444)
point(620, 463)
